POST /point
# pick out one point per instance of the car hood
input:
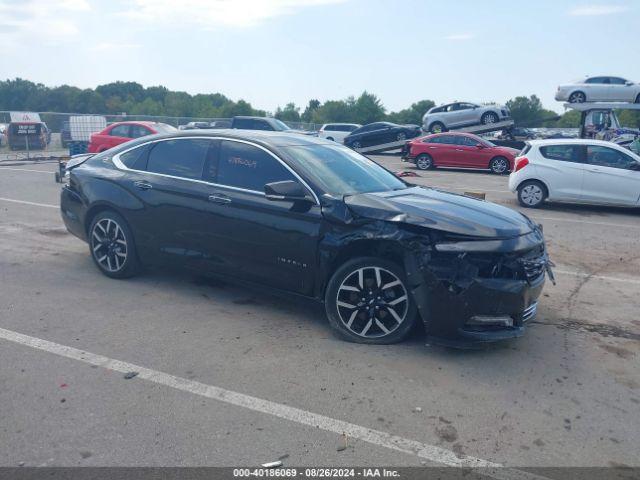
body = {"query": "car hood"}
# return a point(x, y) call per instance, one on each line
point(439, 210)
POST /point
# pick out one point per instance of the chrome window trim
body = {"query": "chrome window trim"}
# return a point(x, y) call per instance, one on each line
point(121, 166)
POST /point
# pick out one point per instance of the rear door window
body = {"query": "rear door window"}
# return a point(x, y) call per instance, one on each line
point(248, 167)
point(137, 131)
point(184, 158)
point(120, 131)
point(563, 153)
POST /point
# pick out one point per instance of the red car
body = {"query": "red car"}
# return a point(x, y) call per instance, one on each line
point(461, 150)
point(121, 132)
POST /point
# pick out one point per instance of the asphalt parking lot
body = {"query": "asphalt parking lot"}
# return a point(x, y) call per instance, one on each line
point(230, 376)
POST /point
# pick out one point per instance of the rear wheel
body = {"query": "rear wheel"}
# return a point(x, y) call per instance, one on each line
point(499, 165)
point(401, 136)
point(112, 246)
point(638, 99)
point(330, 138)
point(424, 161)
point(532, 194)
point(577, 97)
point(489, 118)
point(367, 301)
point(356, 145)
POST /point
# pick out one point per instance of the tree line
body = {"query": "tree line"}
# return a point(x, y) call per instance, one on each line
point(134, 99)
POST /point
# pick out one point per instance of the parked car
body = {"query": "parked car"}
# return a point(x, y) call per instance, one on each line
point(599, 89)
point(379, 133)
point(337, 131)
point(121, 132)
point(304, 215)
point(65, 134)
point(516, 133)
point(576, 171)
point(461, 150)
point(462, 114)
point(265, 123)
point(28, 135)
point(195, 125)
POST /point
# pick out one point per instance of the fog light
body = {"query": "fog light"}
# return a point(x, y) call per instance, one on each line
point(504, 321)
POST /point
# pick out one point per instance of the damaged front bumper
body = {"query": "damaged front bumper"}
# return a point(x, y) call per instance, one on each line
point(470, 293)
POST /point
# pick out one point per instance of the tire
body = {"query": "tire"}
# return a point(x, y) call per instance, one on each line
point(499, 165)
point(424, 162)
point(532, 194)
point(112, 246)
point(391, 309)
point(489, 118)
point(577, 97)
point(437, 127)
point(401, 136)
point(637, 99)
point(356, 145)
point(330, 138)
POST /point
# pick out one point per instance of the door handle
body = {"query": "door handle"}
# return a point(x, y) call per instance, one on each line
point(432, 148)
point(221, 199)
point(595, 170)
point(459, 150)
point(143, 185)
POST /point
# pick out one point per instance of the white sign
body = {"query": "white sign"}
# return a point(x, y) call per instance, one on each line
point(24, 117)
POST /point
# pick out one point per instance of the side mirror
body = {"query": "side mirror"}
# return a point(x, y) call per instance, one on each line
point(286, 191)
point(635, 166)
point(479, 145)
point(628, 83)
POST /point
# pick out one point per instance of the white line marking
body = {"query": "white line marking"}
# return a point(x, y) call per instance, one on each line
point(598, 277)
point(26, 170)
point(432, 453)
point(28, 203)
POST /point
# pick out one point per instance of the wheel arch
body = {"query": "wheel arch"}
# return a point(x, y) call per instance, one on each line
point(95, 210)
point(577, 91)
point(510, 162)
point(387, 249)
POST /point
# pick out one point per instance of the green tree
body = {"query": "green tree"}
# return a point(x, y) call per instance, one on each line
point(290, 113)
point(307, 115)
point(368, 108)
point(528, 111)
point(412, 114)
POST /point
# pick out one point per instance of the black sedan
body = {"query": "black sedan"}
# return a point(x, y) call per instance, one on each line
point(380, 133)
point(312, 218)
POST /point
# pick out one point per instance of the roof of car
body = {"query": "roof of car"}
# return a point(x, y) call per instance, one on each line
point(260, 137)
point(571, 141)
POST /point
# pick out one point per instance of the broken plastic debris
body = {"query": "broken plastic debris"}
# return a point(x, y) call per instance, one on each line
point(130, 375)
point(275, 464)
point(344, 444)
point(405, 173)
point(417, 409)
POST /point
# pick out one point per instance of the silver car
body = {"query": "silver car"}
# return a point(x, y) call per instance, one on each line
point(462, 114)
point(599, 89)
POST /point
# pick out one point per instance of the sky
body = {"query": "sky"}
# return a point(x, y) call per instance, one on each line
point(271, 52)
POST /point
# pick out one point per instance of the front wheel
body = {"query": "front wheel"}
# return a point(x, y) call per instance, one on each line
point(437, 127)
point(637, 99)
point(489, 118)
point(499, 165)
point(531, 194)
point(356, 145)
point(112, 246)
point(368, 301)
point(401, 136)
point(424, 162)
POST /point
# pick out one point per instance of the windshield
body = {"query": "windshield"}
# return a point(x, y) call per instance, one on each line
point(340, 171)
point(281, 125)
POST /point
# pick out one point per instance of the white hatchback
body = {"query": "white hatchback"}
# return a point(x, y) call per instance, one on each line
point(337, 131)
point(576, 171)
